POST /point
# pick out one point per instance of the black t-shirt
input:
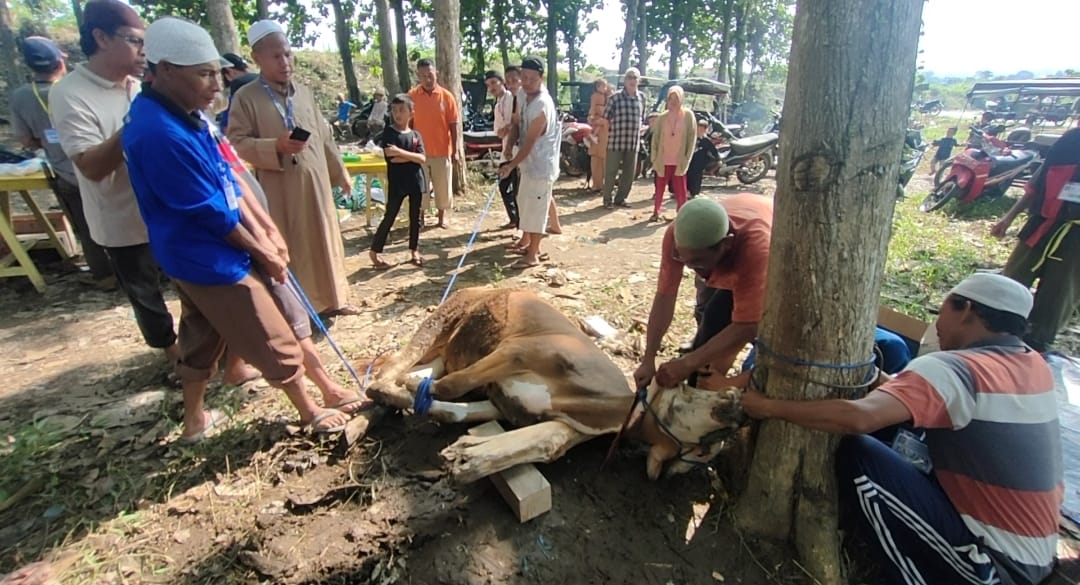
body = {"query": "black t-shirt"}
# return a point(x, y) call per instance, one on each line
point(236, 84)
point(405, 178)
point(945, 146)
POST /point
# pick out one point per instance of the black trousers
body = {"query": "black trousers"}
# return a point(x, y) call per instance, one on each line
point(712, 311)
point(139, 276)
point(508, 188)
point(70, 199)
point(393, 206)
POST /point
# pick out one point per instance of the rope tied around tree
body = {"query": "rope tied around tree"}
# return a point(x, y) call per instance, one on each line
point(870, 364)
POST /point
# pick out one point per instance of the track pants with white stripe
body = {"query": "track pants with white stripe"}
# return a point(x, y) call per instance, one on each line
point(907, 516)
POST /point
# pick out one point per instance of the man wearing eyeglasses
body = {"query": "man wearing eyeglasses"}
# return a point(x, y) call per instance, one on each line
point(88, 108)
point(726, 244)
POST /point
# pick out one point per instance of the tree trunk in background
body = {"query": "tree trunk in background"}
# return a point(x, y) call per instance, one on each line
point(499, 14)
point(552, 44)
point(675, 45)
point(9, 52)
point(448, 63)
point(642, 38)
point(387, 58)
point(76, 9)
point(262, 8)
point(480, 62)
point(223, 26)
point(401, 39)
point(629, 35)
point(725, 42)
point(741, 22)
point(831, 227)
point(572, 50)
point(343, 33)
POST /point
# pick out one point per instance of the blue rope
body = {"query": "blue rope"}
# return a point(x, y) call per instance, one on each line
point(870, 363)
point(423, 400)
point(294, 286)
point(468, 247)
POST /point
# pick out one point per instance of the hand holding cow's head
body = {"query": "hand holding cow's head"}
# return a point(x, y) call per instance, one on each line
point(688, 424)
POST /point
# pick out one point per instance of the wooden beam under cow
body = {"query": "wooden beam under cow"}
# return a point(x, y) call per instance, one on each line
point(530, 366)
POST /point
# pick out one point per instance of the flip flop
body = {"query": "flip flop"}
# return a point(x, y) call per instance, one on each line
point(361, 401)
point(381, 265)
point(312, 427)
point(217, 419)
point(523, 265)
point(419, 261)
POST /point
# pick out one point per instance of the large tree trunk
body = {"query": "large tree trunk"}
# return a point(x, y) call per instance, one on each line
point(343, 33)
point(223, 26)
point(76, 9)
point(387, 58)
point(501, 34)
point(629, 35)
point(9, 52)
point(642, 38)
point(552, 44)
point(834, 205)
point(448, 63)
point(402, 47)
point(262, 9)
point(725, 42)
point(741, 22)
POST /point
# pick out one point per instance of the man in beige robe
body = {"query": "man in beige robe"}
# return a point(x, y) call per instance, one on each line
point(296, 175)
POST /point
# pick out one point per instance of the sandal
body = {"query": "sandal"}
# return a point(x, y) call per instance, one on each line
point(215, 419)
point(380, 264)
point(523, 265)
point(313, 428)
point(360, 403)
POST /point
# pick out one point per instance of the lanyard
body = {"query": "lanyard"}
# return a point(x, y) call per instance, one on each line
point(44, 104)
point(286, 111)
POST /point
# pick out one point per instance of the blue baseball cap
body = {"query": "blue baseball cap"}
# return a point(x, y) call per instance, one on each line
point(42, 54)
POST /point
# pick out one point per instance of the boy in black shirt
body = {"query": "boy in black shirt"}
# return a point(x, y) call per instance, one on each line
point(404, 151)
point(705, 153)
point(944, 151)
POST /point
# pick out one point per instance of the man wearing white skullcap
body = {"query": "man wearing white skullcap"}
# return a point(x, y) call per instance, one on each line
point(297, 174)
point(208, 238)
point(971, 489)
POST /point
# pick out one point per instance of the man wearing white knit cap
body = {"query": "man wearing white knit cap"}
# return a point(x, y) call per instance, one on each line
point(971, 488)
point(205, 234)
point(266, 121)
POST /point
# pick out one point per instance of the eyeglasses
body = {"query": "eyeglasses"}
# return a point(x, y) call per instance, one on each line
point(133, 41)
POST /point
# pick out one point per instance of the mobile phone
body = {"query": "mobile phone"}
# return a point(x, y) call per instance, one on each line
point(300, 134)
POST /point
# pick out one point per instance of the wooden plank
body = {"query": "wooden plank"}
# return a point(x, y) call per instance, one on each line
point(523, 487)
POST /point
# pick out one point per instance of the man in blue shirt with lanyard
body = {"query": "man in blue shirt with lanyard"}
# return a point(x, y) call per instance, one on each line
point(207, 238)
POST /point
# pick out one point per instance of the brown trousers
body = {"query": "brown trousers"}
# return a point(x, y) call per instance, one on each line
point(246, 317)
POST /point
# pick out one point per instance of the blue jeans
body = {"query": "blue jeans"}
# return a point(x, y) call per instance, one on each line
point(917, 533)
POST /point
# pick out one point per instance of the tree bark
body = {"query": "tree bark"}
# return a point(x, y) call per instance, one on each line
point(831, 228)
point(725, 42)
point(448, 63)
point(9, 52)
point(741, 21)
point(675, 43)
point(642, 38)
point(501, 34)
point(76, 9)
point(402, 47)
point(552, 44)
point(343, 33)
point(262, 8)
point(629, 35)
point(387, 58)
point(223, 26)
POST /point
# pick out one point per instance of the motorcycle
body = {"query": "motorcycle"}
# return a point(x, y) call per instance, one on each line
point(914, 150)
point(980, 172)
point(932, 107)
point(986, 138)
point(574, 151)
point(484, 150)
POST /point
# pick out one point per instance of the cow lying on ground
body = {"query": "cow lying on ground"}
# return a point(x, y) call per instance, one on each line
point(539, 372)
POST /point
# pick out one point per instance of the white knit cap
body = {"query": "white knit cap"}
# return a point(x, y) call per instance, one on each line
point(997, 292)
point(263, 29)
point(179, 42)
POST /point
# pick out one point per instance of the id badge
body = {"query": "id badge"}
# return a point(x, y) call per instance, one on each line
point(52, 136)
point(910, 447)
point(1070, 193)
point(230, 195)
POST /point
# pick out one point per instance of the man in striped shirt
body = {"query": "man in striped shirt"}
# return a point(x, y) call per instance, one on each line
point(978, 499)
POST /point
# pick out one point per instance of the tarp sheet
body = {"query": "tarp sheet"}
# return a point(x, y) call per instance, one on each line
point(1067, 380)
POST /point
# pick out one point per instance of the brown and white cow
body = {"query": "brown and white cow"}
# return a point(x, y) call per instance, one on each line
point(542, 374)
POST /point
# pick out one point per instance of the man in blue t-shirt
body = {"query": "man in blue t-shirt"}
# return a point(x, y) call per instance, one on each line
point(205, 235)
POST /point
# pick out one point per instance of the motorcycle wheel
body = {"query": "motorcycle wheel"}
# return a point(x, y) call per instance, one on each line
point(936, 110)
point(939, 176)
point(360, 130)
point(568, 165)
point(754, 169)
point(937, 198)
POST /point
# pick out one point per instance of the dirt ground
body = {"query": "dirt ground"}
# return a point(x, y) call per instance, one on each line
point(103, 494)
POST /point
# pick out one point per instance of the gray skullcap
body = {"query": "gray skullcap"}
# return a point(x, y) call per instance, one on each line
point(701, 223)
point(995, 291)
point(263, 29)
point(179, 42)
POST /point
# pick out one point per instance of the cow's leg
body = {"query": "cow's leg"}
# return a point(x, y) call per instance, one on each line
point(434, 369)
point(464, 412)
point(497, 365)
point(471, 458)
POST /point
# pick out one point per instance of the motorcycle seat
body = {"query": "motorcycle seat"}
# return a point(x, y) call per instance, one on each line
point(487, 136)
point(1018, 158)
point(752, 143)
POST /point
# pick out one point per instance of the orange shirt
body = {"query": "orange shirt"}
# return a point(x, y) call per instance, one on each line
point(743, 271)
point(433, 114)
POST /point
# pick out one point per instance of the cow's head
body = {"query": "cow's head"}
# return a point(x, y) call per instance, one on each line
point(689, 424)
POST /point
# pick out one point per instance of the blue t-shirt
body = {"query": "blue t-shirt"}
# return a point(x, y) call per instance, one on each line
point(343, 111)
point(186, 192)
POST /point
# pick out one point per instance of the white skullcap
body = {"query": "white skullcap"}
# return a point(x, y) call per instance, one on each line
point(263, 29)
point(995, 291)
point(179, 42)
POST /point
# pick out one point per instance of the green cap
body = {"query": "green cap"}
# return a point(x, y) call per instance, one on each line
point(701, 223)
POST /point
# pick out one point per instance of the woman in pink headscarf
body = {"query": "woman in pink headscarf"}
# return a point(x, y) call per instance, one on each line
point(673, 139)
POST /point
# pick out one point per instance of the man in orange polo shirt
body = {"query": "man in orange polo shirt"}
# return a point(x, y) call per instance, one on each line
point(727, 244)
point(437, 118)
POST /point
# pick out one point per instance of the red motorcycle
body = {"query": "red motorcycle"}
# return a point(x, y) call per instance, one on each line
point(574, 151)
point(984, 171)
point(483, 150)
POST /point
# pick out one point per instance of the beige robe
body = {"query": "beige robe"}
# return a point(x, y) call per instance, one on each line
point(300, 194)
